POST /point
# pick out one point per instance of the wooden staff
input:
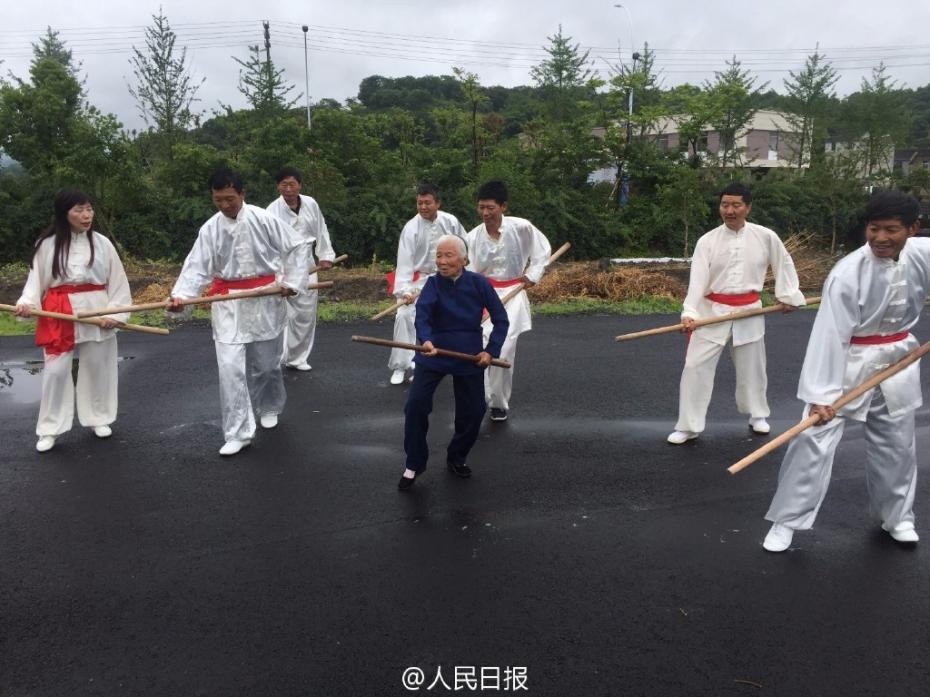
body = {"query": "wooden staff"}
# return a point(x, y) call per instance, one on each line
point(80, 320)
point(417, 347)
point(516, 290)
point(853, 394)
point(337, 260)
point(203, 300)
point(392, 308)
point(712, 320)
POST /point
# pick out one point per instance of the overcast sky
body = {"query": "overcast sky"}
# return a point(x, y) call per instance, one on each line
point(352, 39)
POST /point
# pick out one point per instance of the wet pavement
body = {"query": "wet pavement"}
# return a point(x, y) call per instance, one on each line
point(585, 555)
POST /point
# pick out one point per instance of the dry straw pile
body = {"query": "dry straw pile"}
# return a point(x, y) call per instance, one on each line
point(567, 280)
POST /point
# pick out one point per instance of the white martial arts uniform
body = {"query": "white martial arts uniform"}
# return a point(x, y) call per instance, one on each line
point(416, 252)
point(301, 309)
point(247, 333)
point(521, 250)
point(731, 263)
point(96, 347)
point(864, 295)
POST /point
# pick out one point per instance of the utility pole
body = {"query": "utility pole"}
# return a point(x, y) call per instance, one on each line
point(268, 74)
point(307, 73)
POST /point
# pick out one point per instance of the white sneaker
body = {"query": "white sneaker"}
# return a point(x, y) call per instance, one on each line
point(269, 420)
point(759, 425)
point(231, 447)
point(679, 437)
point(45, 443)
point(397, 377)
point(778, 539)
point(103, 431)
point(300, 366)
point(903, 532)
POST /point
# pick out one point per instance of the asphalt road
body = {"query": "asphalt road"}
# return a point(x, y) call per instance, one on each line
point(585, 553)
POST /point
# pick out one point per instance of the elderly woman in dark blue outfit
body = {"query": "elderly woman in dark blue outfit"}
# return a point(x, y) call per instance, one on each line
point(449, 311)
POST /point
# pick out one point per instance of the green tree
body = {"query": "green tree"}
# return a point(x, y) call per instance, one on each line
point(809, 92)
point(263, 84)
point(474, 98)
point(564, 76)
point(50, 46)
point(164, 89)
point(878, 119)
point(682, 196)
point(731, 99)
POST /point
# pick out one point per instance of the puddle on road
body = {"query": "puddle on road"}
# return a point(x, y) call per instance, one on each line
point(22, 381)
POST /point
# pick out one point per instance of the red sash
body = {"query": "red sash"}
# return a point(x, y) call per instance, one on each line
point(504, 284)
point(57, 335)
point(392, 276)
point(874, 339)
point(221, 286)
point(734, 300)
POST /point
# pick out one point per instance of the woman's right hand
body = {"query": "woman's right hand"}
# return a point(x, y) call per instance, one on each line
point(23, 310)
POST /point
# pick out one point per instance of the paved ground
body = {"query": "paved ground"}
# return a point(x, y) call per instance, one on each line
point(585, 550)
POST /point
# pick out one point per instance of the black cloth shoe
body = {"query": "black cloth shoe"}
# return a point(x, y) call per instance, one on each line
point(405, 483)
point(498, 414)
point(463, 470)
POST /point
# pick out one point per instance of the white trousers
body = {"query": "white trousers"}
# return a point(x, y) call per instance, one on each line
point(250, 378)
point(890, 469)
point(498, 382)
point(697, 381)
point(404, 331)
point(300, 330)
point(96, 388)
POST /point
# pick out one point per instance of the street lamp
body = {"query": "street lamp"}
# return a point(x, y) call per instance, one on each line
point(307, 73)
point(624, 180)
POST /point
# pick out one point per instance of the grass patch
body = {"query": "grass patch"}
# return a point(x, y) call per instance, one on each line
point(645, 305)
point(11, 325)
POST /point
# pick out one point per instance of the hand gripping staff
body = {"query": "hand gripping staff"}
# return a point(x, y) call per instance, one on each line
point(712, 320)
point(869, 384)
point(203, 300)
point(337, 260)
point(81, 320)
point(417, 347)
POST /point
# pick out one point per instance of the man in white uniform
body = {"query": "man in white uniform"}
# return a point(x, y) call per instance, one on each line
point(727, 273)
point(870, 301)
point(416, 262)
point(244, 247)
point(303, 214)
point(508, 251)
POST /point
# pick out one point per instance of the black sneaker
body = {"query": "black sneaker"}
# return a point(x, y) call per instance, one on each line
point(405, 483)
point(498, 414)
point(463, 470)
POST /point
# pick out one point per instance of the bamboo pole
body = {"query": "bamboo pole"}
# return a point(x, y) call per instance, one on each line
point(417, 347)
point(82, 320)
point(712, 320)
point(853, 394)
point(203, 300)
point(337, 260)
point(392, 308)
point(516, 291)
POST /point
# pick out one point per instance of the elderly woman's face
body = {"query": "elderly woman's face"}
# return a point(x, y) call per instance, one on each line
point(449, 259)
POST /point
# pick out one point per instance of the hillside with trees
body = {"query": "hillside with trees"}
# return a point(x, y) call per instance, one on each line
point(361, 159)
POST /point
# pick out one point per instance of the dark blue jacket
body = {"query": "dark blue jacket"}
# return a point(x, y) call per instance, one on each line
point(449, 314)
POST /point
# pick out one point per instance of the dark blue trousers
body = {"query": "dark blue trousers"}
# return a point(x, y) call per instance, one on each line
point(469, 411)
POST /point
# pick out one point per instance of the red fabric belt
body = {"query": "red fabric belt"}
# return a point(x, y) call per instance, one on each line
point(505, 284)
point(391, 277)
point(879, 339)
point(734, 300)
point(57, 335)
point(221, 286)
